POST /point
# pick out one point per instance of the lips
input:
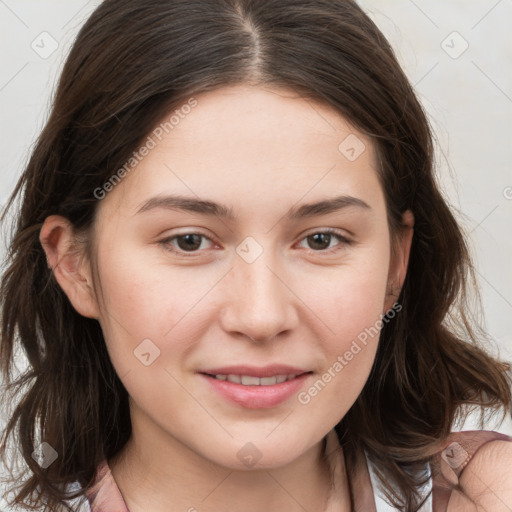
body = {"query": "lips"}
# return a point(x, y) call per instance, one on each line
point(249, 380)
point(272, 370)
point(256, 388)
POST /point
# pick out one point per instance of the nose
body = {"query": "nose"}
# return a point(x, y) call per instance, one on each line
point(260, 304)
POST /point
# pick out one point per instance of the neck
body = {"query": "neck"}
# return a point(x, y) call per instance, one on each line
point(155, 470)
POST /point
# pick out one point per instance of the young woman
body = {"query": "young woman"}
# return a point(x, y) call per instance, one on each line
point(235, 279)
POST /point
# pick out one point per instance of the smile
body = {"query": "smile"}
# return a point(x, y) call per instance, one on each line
point(249, 380)
point(252, 392)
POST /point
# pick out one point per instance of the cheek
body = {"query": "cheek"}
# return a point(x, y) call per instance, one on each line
point(351, 298)
point(350, 306)
point(141, 303)
point(354, 304)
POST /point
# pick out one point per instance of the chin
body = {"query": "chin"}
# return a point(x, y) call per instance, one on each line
point(251, 456)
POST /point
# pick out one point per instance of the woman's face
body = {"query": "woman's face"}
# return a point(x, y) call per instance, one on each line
point(191, 290)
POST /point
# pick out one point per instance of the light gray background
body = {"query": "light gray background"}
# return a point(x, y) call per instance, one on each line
point(467, 94)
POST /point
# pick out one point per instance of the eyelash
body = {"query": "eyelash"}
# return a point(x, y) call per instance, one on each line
point(328, 231)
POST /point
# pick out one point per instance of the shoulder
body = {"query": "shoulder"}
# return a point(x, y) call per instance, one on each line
point(486, 477)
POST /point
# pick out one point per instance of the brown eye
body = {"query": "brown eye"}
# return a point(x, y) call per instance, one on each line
point(186, 243)
point(189, 242)
point(321, 241)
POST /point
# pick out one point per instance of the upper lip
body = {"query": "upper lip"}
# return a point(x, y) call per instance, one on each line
point(254, 371)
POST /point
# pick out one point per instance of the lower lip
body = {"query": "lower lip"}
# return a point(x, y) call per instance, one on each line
point(257, 397)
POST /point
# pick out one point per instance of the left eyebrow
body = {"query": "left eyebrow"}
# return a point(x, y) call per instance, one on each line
point(326, 206)
point(211, 208)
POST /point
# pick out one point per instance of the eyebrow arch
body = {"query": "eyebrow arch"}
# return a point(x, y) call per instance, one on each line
point(211, 208)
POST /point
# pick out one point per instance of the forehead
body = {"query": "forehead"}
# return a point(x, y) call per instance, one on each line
point(249, 118)
point(258, 144)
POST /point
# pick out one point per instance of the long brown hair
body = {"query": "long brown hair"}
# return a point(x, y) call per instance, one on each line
point(136, 59)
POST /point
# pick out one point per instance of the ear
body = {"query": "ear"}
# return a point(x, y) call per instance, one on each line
point(70, 266)
point(399, 259)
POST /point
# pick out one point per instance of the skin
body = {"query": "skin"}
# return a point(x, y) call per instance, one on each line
point(486, 480)
point(261, 152)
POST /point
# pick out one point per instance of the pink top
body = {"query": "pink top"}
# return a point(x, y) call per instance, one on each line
point(448, 465)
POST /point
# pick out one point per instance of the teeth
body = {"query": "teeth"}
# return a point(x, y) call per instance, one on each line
point(248, 380)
